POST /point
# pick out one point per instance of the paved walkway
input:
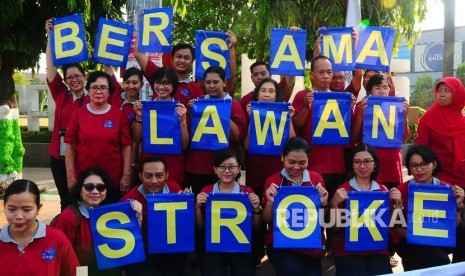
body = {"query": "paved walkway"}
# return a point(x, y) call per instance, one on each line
point(51, 207)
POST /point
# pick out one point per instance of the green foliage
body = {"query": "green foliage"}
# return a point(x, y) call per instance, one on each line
point(461, 72)
point(414, 126)
point(20, 78)
point(423, 95)
point(43, 136)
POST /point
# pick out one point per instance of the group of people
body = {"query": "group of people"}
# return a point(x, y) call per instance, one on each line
point(96, 159)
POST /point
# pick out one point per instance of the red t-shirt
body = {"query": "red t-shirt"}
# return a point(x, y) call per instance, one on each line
point(116, 99)
point(443, 146)
point(325, 159)
point(64, 107)
point(186, 90)
point(31, 261)
point(390, 160)
point(201, 161)
point(98, 140)
point(260, 167)
point(338, 237)
point(278, 179)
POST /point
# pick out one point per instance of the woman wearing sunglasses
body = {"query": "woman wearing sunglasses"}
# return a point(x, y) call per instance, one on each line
point(93, 188)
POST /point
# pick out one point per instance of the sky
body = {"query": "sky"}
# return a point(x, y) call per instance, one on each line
point(434, 19)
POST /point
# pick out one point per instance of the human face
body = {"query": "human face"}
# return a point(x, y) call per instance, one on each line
point(227, 171)
point(338, 82)
point(153, 176)
point(163, 88)
point(214, 85)
point(363, 165)
point(75, 79)
point(367, 76)
point(267, 92)
point(444, 95)
point(295, 162)
point(259, 72)
point(20, 212)
point(182, 61)
point(132, 86)
point(94, 197)
point(422, 171)
point(98, 92)
point(381, 89)
point(322, 74)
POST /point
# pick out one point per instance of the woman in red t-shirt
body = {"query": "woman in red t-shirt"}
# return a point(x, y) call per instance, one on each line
point(365, 168)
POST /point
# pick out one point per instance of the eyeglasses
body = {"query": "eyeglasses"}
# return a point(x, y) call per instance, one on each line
point(422, 165)
point(91, 186)
point(102, 88)
point(75, 76)
point(230, 168)
point(160, 83)
point(366, 162)
point(381, 87)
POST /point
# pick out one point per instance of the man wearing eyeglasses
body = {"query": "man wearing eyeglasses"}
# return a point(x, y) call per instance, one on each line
point(154, 176)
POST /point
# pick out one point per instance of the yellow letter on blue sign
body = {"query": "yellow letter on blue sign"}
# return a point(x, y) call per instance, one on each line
point(116, 235)
point(287, 52)
point(67, 40)
point(374, 50)
point(338, 45)
point(113, 42)
point(431, 215)
point(210, 124)
point(170, 222)
point(269, 127)
point(369, 221)
point(211, 49)
point(155, 27)
point(331, 118)
point(296, 218)
point(161, 127)
point(383, 122)
point(228, 222)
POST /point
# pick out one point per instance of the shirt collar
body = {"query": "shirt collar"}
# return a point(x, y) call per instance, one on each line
point(236, 189)
point(5, 235)
point(141, 190)
point(83, 209)
point(305, 177)
point(99, 112)
point(125, 101)
point(373, 187)
point(187, 81)
point(436, 181)
point(76, 97)
point(227, 97)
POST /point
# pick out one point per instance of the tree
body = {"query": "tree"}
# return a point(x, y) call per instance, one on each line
point(461, 72)
point(423, 95)
point(449, 38)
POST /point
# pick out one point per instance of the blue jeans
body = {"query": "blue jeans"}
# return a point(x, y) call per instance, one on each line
point(216, 264)
point(359, 265)
point(288, 262)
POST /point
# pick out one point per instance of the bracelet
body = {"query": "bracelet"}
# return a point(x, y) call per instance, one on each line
point(257, 212)
point(134, 165)
point(138, 121)
point(397, 207)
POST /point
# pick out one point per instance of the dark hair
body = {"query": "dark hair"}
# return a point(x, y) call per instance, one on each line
point(215, 70)
point(296, 144)
point(376, 80)
point(372, 152)
point(279, 93)
point(224, 154)
point(426, 153)
point(170, 75)
point(8, 97)
point(366, 71)
point(65, 68)
point(258, 63)
point(181, 46)
point(75, 193)
point(312, 65)
point(153, 159)
point(20, 186)
point(96, 75)
point(133, 71)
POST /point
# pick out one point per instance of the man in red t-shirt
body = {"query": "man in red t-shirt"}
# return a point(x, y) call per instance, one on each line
point(182, 59)
point(328, 160)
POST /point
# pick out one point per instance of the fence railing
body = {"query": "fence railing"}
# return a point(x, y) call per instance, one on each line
point(29, 104)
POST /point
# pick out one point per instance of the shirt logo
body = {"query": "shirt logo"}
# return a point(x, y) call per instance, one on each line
point(108, 124)
point(131, 117)
point(48, 254)
point(185, 92)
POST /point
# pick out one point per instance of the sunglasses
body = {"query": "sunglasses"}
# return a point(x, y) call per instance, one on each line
point(91, 186)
